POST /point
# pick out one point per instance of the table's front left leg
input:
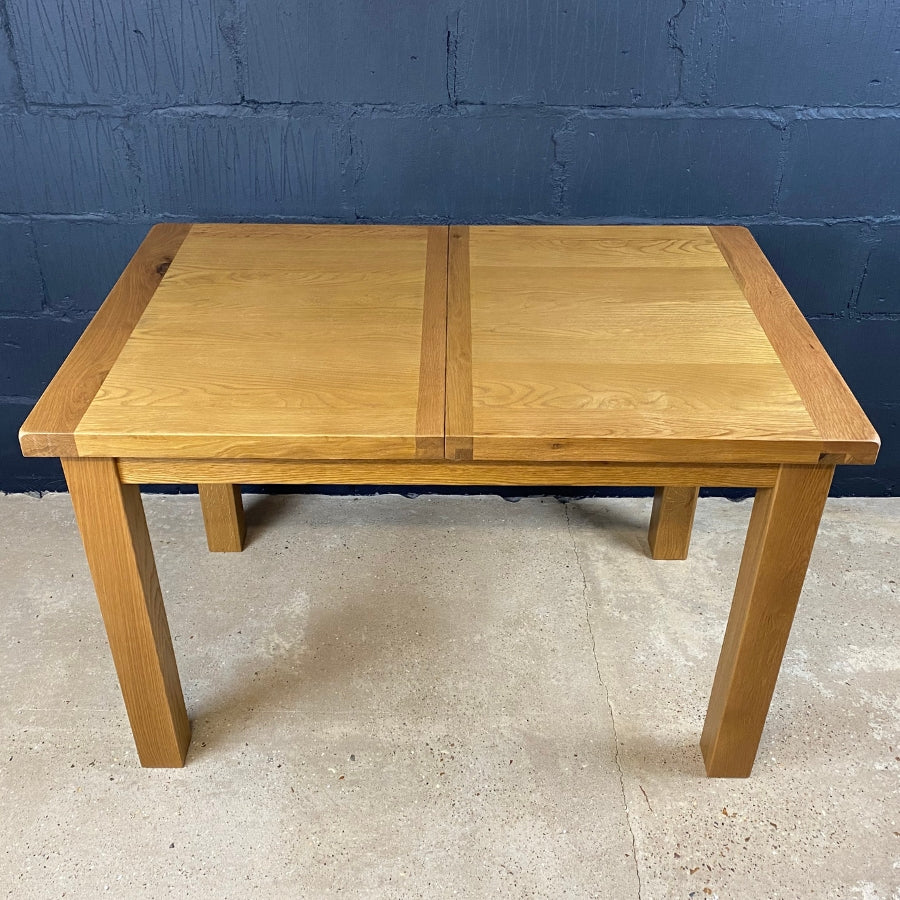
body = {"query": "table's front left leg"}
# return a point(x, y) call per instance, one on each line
point(779, 543)
point(111, 520)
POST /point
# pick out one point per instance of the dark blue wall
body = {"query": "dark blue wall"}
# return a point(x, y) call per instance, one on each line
point(782, 115)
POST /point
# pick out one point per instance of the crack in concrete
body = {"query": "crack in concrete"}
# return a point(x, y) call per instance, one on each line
point(559, 168)
point(853, 302)
point(233, 28)
point(452, 64)
point(609, 706)
point(6, 29)
point(675, 44)
point(46, 305)
point(781, 166)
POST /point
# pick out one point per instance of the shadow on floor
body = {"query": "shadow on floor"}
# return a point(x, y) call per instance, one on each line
point(262, 511)
point(620, 526)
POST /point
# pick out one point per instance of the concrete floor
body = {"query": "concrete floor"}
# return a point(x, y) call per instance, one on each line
point(448, 697)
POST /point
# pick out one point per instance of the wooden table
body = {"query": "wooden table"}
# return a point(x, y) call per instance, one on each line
point(293, 354)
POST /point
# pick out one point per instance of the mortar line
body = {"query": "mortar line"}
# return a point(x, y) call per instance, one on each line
point(609, 706)
point(452, 106)
point(148, 218)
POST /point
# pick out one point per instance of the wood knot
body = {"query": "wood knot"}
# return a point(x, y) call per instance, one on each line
point(163, 267)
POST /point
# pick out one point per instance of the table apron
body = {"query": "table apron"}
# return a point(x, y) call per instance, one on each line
point(441, 472)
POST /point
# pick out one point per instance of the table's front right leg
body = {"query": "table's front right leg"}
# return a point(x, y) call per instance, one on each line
point(111, 520)
point(779, 544)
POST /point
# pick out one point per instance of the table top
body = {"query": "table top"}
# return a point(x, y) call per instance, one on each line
point(567, 343)
point(282, 341)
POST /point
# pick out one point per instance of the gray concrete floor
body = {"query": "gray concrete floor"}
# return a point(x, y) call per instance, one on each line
point(448, 697)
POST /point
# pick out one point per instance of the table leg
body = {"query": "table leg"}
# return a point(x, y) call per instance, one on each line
point(671, 521)
point(780, 539)
point(223, 516)
point(111, 520)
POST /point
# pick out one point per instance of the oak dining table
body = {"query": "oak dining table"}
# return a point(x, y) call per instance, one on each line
point(669, 357)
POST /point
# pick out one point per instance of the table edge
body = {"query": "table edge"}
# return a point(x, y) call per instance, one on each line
point(847, 435)
point(49, 429)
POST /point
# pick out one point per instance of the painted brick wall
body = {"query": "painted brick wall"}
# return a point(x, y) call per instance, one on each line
point(783, 115)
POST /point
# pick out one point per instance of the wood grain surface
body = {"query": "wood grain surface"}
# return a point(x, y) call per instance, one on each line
point(671, 520)
point(253, 471)
point(111, 521)
point(223, 517)
point(664, 344)
point(615, 343)
point(779, 544)
point(847, 435)
point(458, 437)
point(279, 341)
point(433, 359)
point(49, 429)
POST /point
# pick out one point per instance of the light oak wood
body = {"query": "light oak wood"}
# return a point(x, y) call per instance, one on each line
point(671, 521)
point(432, 364)
point(49, 429)
point(250, 471)
point(285, 341)
point(458, 436)
point(614, 343)
point(570, 247)
point(348, 321)
point(539, 355)
point(111, 520)
point(779, 543)
point(609, 448)
point(223, 517)
point(847, 435)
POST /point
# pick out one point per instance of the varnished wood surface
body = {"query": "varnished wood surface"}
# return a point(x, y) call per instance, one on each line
point(281, 341)
point(845, 431)
point(666, 356)
point(671, 520)
point(111, 520)
point(779, 544)
point(49, 429)
point(433, 360)
point(528, 343)
point(223, 517)
point(617, 343)
point(250, 471)
point(458, 438)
